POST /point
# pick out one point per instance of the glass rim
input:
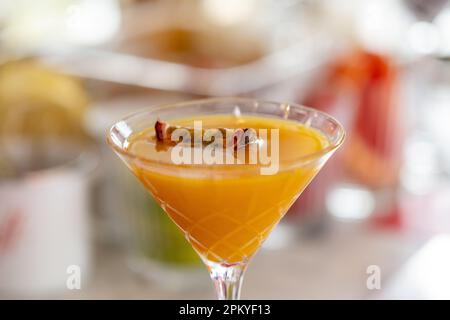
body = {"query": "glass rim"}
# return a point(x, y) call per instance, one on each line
point(296, 162)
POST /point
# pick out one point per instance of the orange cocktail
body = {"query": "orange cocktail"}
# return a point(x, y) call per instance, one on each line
point(227, 211)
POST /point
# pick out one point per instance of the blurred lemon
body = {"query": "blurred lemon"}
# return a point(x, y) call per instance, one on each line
point(39, 102)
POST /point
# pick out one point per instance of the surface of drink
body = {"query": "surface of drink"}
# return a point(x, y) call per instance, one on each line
point(227, 210)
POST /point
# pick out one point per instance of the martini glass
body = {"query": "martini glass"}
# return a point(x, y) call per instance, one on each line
point(226, 211)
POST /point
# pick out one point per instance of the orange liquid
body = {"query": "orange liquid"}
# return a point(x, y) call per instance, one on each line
point(227, 211)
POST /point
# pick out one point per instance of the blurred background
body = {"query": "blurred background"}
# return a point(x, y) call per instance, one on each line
point(70, 68)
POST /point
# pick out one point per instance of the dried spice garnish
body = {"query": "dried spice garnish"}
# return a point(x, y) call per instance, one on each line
point(232, 137)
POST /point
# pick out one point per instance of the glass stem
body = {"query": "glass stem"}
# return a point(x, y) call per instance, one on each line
point(227, 280)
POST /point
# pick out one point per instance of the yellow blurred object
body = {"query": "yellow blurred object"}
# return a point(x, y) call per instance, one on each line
point(39, 102)
point(197, 47)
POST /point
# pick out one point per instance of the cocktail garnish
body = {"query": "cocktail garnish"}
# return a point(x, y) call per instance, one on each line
point(231, 137)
